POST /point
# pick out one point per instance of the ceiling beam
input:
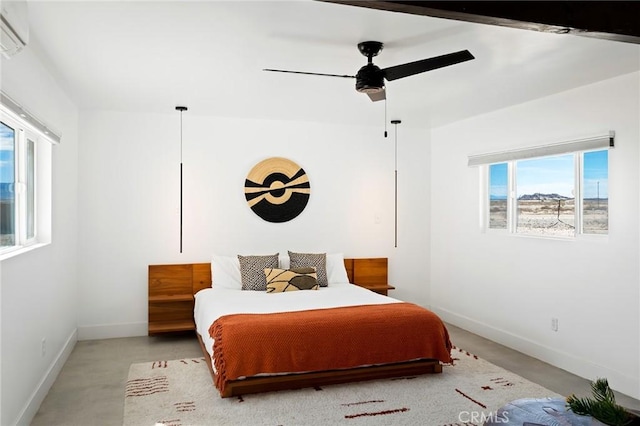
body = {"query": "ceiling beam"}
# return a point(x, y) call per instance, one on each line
point(610, 20)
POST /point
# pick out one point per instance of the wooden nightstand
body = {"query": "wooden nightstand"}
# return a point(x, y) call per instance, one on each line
point(380, 289)
point(171, 300)
point(369, 273)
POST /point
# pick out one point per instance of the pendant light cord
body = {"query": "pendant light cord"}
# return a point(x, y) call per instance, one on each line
point(181, 109)
point(181, 137)
point(395, 175)
point(395, 145)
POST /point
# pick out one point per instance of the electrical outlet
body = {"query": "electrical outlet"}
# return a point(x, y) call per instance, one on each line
point(43, 346)
point(554, 324)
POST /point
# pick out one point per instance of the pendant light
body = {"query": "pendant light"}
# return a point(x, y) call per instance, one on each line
point(395, 123)
point(181, 109)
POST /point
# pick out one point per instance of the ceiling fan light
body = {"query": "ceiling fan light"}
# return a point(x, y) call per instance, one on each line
point(370, 89)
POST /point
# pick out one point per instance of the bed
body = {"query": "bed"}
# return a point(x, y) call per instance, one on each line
point(254, 341)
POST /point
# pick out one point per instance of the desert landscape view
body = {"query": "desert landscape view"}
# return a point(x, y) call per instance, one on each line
point(551, 215)
point(6, 223)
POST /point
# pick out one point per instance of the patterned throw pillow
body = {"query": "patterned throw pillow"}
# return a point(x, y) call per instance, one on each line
point(281, 280)
point(311, 260)
point(252, 270)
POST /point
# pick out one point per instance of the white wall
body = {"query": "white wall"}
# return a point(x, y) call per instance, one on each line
point(39, 288)
point(129, 199)
point(506, 287)
point(0, 342)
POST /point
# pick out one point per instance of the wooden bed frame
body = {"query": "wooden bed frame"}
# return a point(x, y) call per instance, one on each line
point(359, 271)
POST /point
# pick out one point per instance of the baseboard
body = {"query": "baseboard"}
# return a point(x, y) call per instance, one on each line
point(111, 331)
point(579, 366)
point(38, 395)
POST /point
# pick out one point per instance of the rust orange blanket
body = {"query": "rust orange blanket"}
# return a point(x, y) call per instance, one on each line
point(325, 339)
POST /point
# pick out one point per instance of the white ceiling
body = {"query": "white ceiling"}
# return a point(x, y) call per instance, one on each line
point(150, 56)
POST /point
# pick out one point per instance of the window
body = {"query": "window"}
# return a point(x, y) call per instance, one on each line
point(545, 196)
point(498, 190)
point(7, 186)
point(18, 215)
point(560, 195)
point(595, 192)
point(25, 179)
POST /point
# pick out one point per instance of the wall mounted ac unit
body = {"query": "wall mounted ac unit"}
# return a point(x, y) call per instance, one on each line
point(14, 27)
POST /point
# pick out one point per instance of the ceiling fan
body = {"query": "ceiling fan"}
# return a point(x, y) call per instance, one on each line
point(370, 78)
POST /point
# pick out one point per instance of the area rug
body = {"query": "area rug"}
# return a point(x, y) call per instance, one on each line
point(181, 393)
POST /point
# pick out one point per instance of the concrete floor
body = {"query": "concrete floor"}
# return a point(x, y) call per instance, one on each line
point(90, 387)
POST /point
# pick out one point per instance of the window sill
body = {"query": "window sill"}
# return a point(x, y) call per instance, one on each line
point(21, 250)
point(599, 238)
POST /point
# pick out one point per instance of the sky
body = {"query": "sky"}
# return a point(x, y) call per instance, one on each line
point(596, 174)
point(554, 175)
point(547, 175)
point(498, 181)
point(6, 153)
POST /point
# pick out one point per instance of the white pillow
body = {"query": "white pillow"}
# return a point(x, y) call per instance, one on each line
point(336, 272)
point(284, 262)
point(225, 272)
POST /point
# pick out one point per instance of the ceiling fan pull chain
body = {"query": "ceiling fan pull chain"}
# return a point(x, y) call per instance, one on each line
point(385, 117)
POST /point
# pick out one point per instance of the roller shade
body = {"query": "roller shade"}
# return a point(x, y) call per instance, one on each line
point(600, 142)
point(24, 115)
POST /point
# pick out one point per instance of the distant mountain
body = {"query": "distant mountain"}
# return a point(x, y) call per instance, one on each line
point(542, 197)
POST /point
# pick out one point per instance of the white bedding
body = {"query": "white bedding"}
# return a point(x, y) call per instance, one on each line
point(212, 303)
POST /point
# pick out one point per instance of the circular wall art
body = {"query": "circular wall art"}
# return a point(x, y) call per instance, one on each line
point(277, 189)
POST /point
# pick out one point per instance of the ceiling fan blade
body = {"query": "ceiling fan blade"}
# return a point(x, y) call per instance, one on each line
point(378, 96)
point(310, 73)
point(417, 67)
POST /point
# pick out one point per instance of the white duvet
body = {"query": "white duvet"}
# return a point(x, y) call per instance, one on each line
point(212, 303)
